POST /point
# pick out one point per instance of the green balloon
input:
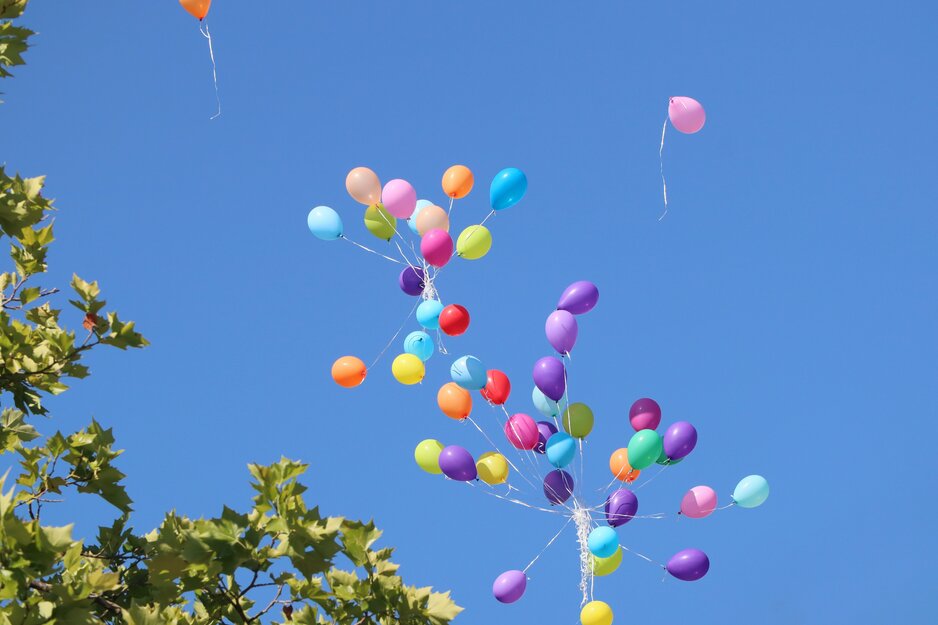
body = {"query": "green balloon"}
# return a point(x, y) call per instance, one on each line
point(644, 449)
point(578, 420)
point(380, 222)
point(474, 242)
point(663, 458)
point(605, 566)
point(427, 455)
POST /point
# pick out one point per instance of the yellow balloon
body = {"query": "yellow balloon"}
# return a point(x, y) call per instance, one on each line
point(380, 222)
point(492, 468)
point(605, 566)
point(474, 242)
point(427, 455)
point(432, 217)
point(408, 369)
point(596, 613)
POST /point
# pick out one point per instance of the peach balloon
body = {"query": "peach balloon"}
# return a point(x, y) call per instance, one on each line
point(349, 371)
point(432, 217)
point(457, 181)
point(454, 401)
point(620, 467)
point(363, 185)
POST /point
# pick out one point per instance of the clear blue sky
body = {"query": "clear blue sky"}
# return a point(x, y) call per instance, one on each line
point(786, 306)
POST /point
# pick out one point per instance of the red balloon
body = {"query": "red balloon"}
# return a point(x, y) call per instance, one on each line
point(454, 320)
point(498, 387)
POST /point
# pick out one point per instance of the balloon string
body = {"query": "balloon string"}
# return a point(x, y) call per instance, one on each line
point(664, 185)
point(368, 249)
point(394, 338)
point(643, 557)
point(516, 501)
point(450, 210)
point(211, 53)
point(495, 447)
point(648, 481)
point(584, 524)
point(547, 546)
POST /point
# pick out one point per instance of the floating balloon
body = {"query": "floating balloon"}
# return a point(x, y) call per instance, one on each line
point(363, 185)
point(196, 8)
point(560, 449)
point(605, 566)
point(454, 401)
point(558, 486)
point(620, 467)
point(645, 414)
point(411, 280)
point(497, 387)
point(419, 344)
point(412, 220)
point(349, 371)
point(469, 373)
point(602, 541)
point(474, 242)
point(621, 507)
point(427, 455)
point(561, 330)
point(432, 217)
point(457, 182)
point(578, 420)
point(521, 431)
point(686, 114)
point(689, 565)
point(436, 246)
point(551, 377)
point(507, 189)
point(457, 464)
point(510, 585)
point(548, 407)
point(380, 222)
point(579, 298)
point(679, 440)
point(428, 313)
point(644, 449)
point(699, 502)
point(325, 223)
point(399, 197)
point(454, 320)
point(408, 369)
point(492, 468)
point(751, 492)
point(596, 613)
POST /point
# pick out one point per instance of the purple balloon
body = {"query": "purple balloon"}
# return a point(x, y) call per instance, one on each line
point(558, 486)
point(645, 414)
point(550, 377)
point(458, 464)
point(579, 297)
point(411, 280)
point(561, 329)
point(509, 586)
point(545, 429)
point(621, 507)
point(679, 440)
point(689, 565)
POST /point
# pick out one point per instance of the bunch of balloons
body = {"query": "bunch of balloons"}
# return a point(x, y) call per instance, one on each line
point(687, 115)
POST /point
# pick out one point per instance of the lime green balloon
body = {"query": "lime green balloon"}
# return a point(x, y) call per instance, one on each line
point(427, 455)
point(644, 449)
point(474, 242)
point(605, 566)
point(380, 222)
point(578, 420)
point(663, 459)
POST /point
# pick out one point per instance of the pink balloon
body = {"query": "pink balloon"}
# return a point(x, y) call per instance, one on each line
point(686, 114)
point(521, 431)
point(699, 502)
point(437, 247)
point(400, 198)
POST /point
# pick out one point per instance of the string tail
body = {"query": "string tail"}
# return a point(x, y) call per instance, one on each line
point(203, 28)
point(664, 184)
point(581, 516)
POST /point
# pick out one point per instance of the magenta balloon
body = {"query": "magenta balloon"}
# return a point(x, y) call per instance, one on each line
point(521, 431)
point(689, 565)
point(561, 330)
point(545, 429)
point(458, 464)
point(699, 502)
point(687, 114)
point(550, 377)
point(509, 586)
point(558, 486)
point(436, 246)
point(679, 440)
point(621, 507)
point(645, 414)
point(578, 298)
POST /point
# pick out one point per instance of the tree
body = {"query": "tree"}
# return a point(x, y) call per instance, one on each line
point(280, 561)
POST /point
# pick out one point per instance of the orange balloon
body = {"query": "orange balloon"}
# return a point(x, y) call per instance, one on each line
point(349, 371)
point(457, 181)
point(363, 185)
point(454, 401)
point(620, 467)
point(198, 8)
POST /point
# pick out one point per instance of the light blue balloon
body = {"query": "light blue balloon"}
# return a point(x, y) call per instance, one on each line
point(751, 491)
point(561, 448)
point(603, 541)
point(325, 223)
point(412, 220)
point(508, 187)
point(428, 313)
point(547, 406)
point(419, 344)
point(469, 373)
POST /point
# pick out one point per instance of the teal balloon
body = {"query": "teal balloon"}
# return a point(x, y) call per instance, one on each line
point(325, 223)
point(546, 406)
point(428, 313)
point(663, 458)
point(508, 187)
point(561, 449)
point(419, 344)
point(644, 449)
point(469, 373)
point(412, 220)
point(751, 492)
point(603, 541)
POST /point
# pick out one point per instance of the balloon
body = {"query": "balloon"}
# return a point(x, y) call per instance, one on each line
point(454, 401)
point(521, 431)
point(419, 344)
point(686, 114)
point(561, 330)
point(621, 507)
point(432, 217)
point(363, 185)
point(699, 502)
point(689, 565)
point(408, 369)
point(605, 566)
point(558, 486)
point(428, 313)
point(620, 467)
point(399, 197)
point(551, 377)
point(579, 298)
point(427, 455)
point(578, 420)
point(380, 222)
point(645, 414)
point(664, 460)
point(545, 429)
point(454, 320)
point(751, 492)
point(412, 220)
point(492, 468)
point(548, 407)
point(560, 449)
point(679, 439)
point(457, 464)
point(508, 187)
point(602, 541)
point(325, 223)
point(411, 280)
point(349, 371)
point(474, 242)
point(197, 8)
point(468, 373)
point(457, 182)
point(497, 387)
point(644, 449)
point(596, 613)
point(510, 585)
point(436, 246)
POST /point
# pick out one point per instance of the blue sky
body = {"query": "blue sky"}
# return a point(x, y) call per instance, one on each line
point(786, 305)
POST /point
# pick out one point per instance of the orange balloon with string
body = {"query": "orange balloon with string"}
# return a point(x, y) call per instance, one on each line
point(349, 371)
point(197, 8)
point(454, 401)
point(620, 467)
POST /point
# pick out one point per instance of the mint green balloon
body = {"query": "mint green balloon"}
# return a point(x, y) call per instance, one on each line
point(644, 449)
point(751, 491)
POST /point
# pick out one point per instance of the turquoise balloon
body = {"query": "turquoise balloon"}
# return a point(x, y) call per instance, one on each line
point(412, 220)
point(469, 373)
point(325, 223)
point(508, 187)
point(546, 406)
point(561, 449)
point(603, 541)
point(751, 492)
point(419, 344)
point(644, 449)
point(428, 313)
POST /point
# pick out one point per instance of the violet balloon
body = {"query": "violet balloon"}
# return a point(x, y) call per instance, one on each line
point(550, 377)
point(545, 429)
point(679, 440)
point(458, 464)
point(558, 486)
point(411, 280)
point(689, 565)
point(579, 298)
point(621, 507)
point(509, 586)
point(645, 414)
point(561, 330)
